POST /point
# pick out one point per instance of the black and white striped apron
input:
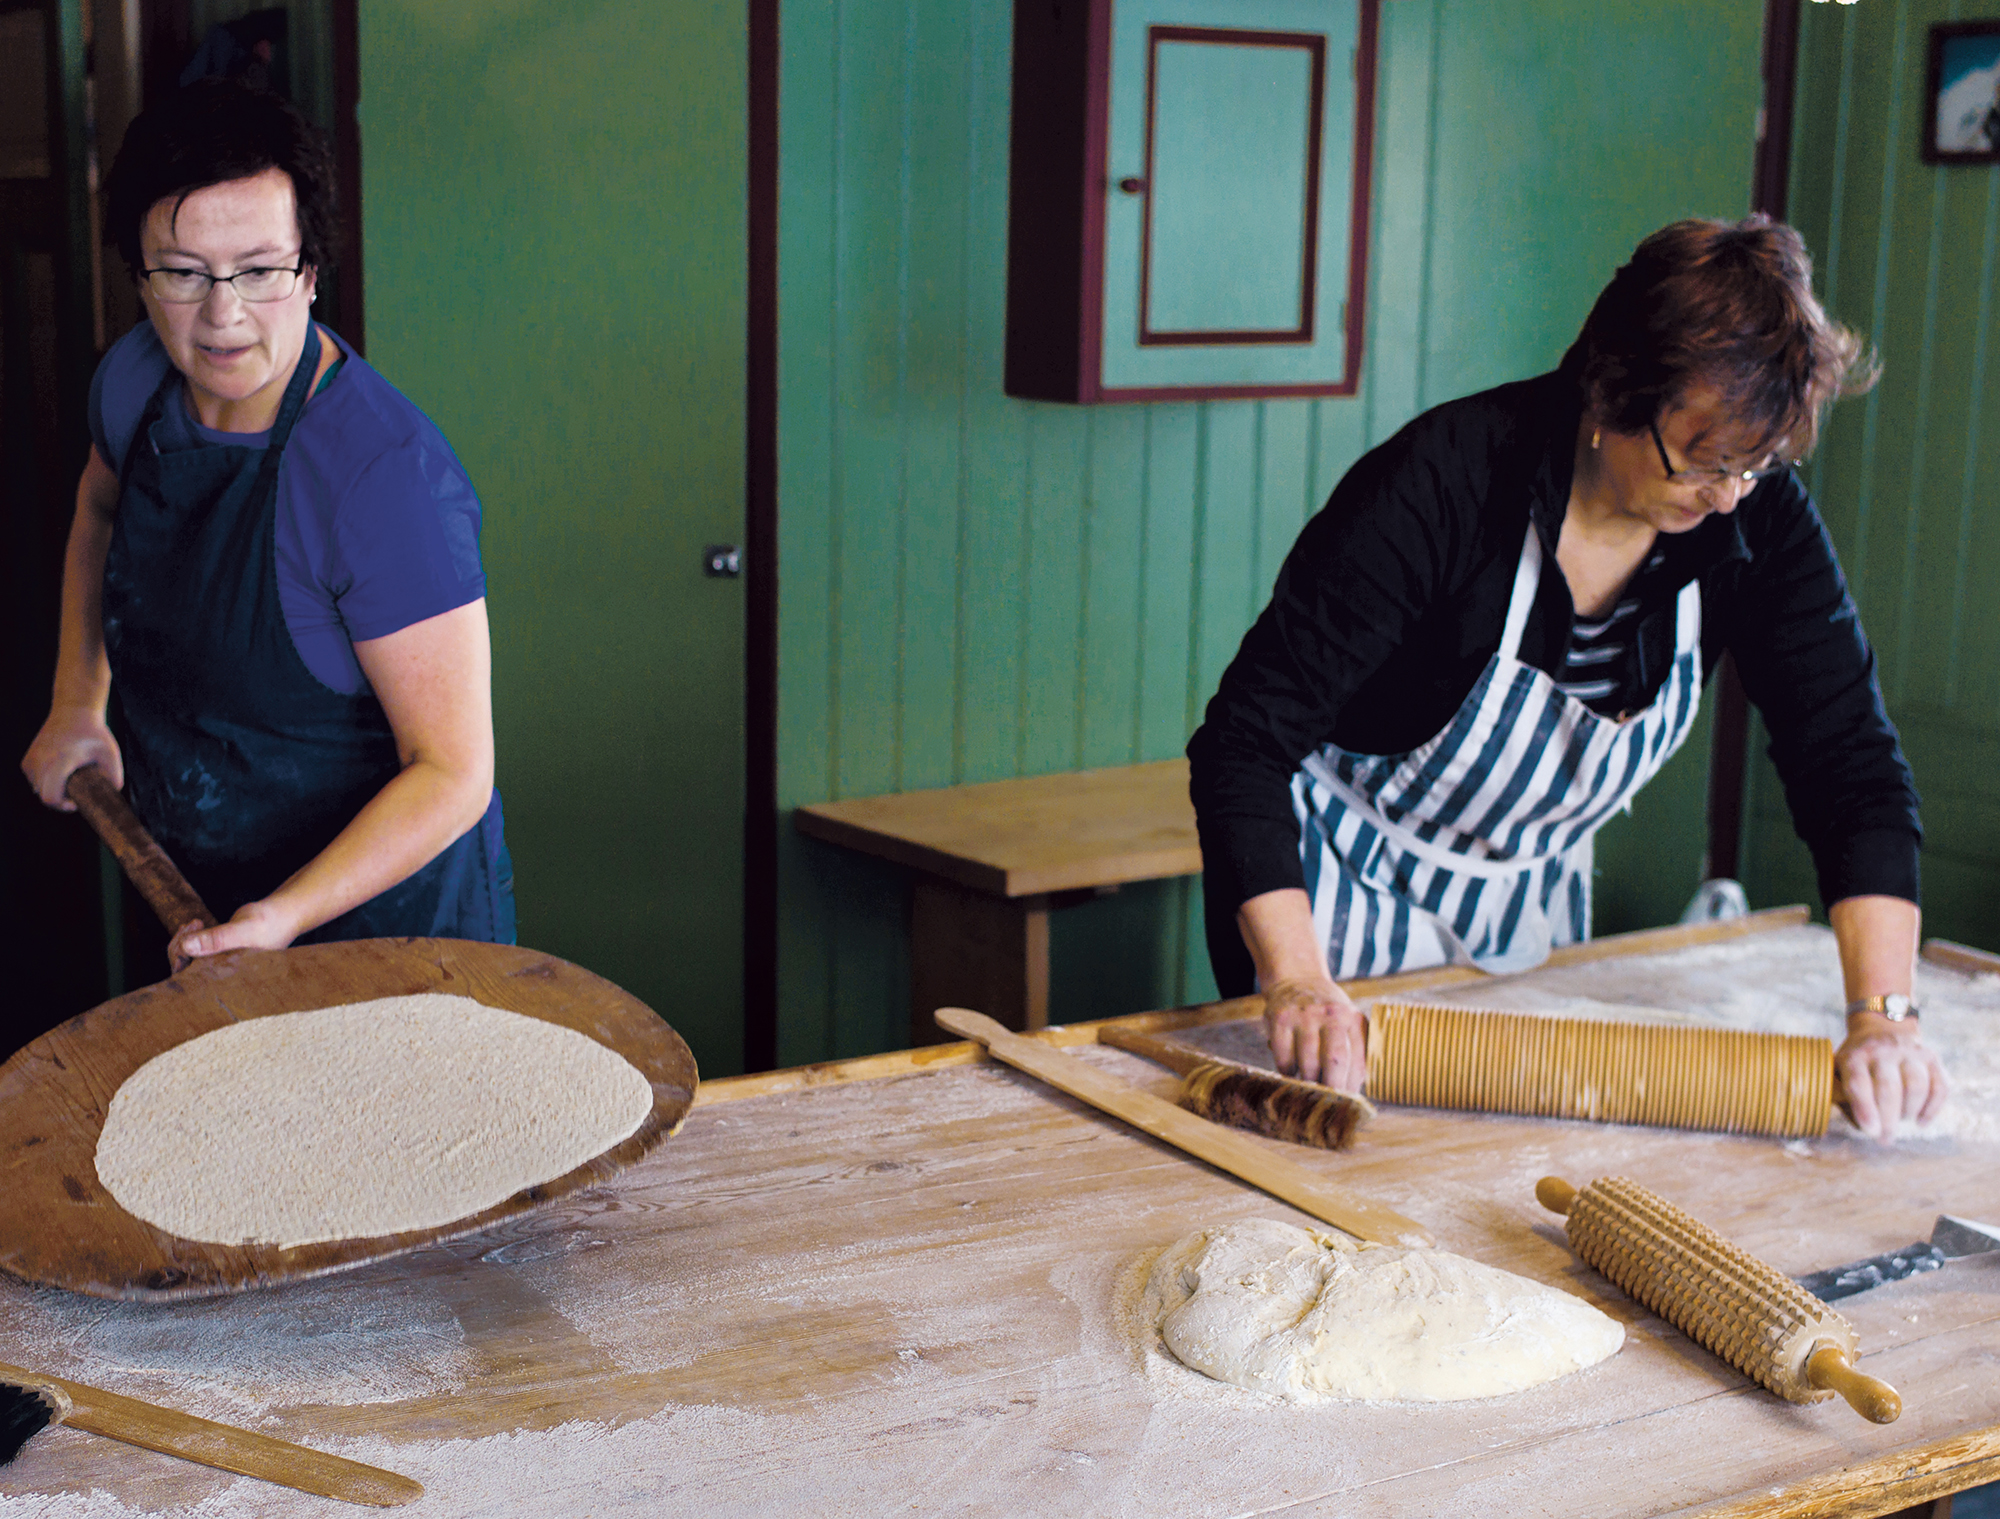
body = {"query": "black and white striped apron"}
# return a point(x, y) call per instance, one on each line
point(1476, 847)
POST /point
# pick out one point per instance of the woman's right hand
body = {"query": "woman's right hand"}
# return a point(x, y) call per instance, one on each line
point(72, 737)
point(1317, 1033)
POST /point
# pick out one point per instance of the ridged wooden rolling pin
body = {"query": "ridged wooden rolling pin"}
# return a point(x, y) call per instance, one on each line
point(1752, 1315)
point(1671, 1075)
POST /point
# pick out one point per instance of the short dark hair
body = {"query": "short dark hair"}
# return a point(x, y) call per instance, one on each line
point(208, 133)
point(1727, 305)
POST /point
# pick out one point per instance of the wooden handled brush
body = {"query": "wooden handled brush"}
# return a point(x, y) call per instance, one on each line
point(1749, 1313)
point(1671, 1075)
point(30, 1403)
point(1264, 1102)
point(1273, 1170)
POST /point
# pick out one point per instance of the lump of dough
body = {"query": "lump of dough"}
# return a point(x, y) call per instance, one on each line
point(367, 1119)
point(1283, 1310)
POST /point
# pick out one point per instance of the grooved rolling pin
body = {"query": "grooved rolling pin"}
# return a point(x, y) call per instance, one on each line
point(1752, 1315)
point(1671, 1075)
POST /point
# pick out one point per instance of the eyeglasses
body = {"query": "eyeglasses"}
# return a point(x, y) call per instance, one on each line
point(1712, 476)
point(186, 287)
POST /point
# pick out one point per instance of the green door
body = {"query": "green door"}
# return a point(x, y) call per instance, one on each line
point(554, 222)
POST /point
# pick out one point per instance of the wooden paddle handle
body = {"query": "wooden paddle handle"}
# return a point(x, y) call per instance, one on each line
point(144, 862)
point(223, 1446)
point(1175, 1056)
point(1225, 1149)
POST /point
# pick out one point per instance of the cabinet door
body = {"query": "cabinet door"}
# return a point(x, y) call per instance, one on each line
point(1230, 196)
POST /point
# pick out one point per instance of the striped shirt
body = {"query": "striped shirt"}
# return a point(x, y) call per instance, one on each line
point(1595, 669)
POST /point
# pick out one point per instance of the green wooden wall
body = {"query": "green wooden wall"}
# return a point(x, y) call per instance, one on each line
point(976, 587)
point(554, 218)
point(1908, 477)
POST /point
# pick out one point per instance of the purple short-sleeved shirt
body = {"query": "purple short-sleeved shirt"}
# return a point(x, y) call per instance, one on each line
point(377, 525)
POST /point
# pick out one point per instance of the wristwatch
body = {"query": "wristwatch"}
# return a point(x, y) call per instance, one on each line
point(1891, 1005)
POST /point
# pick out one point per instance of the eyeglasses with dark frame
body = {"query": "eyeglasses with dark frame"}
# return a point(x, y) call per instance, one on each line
point(1712, 476)
point(188, 287)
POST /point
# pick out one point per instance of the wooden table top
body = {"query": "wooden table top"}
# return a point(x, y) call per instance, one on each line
point(899, 1284)
point(1025, 837)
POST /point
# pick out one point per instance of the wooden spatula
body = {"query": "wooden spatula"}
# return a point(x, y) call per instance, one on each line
point(224, 1446)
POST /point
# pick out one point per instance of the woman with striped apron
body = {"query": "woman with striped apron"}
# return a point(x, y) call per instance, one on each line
point(1496, 632)
point(1475, 848)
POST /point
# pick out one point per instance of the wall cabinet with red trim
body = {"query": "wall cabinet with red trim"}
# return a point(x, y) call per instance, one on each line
point(1188, 202)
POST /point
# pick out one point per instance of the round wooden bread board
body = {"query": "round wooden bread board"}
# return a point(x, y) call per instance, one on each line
point(59, 1227)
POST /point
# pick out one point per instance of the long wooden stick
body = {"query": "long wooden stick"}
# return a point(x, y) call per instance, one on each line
point(223, 1446)
point(159, 881)
point(1226, 1149)
point(1974, 962)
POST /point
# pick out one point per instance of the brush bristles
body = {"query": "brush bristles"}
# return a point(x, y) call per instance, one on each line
point(26, 1409)
point(1297, 1111)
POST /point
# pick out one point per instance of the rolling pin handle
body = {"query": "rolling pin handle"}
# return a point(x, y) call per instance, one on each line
point(1875, 1400)
point(158, 880)
point(1555, 1194)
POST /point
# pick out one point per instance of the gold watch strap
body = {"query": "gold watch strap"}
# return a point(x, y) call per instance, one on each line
point(1894, 1006)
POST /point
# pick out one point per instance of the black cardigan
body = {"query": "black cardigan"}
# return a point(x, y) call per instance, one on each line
point(1394, 598)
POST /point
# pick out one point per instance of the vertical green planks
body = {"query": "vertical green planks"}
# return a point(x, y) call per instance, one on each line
point(1907, 477)
point(555, 255)
point(1057, 587)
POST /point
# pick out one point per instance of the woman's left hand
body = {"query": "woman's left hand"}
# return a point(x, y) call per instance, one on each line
point(1888, 1074)
point(257, 925)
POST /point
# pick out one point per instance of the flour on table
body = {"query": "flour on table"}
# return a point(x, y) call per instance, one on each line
point(1305, 1316)
point(367, 1119)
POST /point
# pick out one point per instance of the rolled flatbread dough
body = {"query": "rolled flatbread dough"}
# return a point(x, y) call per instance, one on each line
point(355, 1121)
point(1284, 1310)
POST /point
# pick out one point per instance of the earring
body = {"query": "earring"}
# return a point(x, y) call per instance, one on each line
point(1596, 436)
point(314, 301)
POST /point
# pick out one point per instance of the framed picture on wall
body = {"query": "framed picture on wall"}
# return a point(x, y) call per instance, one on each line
point(1962, 124)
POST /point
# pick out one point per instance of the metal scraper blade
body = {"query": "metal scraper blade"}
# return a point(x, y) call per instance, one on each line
point(1955, 1237)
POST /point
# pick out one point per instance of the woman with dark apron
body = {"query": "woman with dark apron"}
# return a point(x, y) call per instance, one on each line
point(1497, 631)
point(274, 623)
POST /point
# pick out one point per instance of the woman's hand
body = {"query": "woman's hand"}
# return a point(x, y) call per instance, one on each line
point(1887, 1074)
point(1317, 1034)
point(1313, 1030)
point(1884, 1070)
point(257, 925)
point(73, 736)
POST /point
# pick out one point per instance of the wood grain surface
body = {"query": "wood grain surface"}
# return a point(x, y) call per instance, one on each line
point(909, 1294)
point(1024, 837)
point(61, 1228)
point(1269, 1169)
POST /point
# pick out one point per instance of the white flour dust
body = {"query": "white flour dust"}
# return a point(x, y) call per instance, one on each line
point(310, 1342)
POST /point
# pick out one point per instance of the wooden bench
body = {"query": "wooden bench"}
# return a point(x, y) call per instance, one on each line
point(993, 859)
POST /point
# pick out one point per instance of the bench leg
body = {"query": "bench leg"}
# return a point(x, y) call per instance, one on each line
point(968, 949)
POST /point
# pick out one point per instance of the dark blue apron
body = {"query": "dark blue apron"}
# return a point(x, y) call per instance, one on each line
point(241, 762)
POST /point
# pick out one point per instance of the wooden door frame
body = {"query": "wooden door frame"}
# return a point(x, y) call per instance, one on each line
point(1729, 747)
point(760, 490)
